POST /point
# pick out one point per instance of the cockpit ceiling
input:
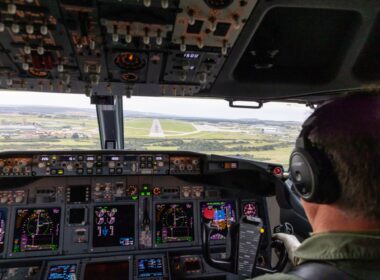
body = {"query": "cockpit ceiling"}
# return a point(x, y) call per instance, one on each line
point(291, 50)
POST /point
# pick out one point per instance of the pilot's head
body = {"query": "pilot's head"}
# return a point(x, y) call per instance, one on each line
point(337, 157)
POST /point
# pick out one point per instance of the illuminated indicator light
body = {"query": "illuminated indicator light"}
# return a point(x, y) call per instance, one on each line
point(142, 193)
point(277, 171)
point(156, 191)
point(230, 165)
point(130, 57)
point(53, 157)
point(135, 197)
point(262, 230)
point(148, 193)
point(60, 172)
point(145, 187)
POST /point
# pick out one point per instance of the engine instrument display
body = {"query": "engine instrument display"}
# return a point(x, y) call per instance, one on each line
point(107, 270)
point(3, 222)
point(221, 214)
point(114, 225)
point(37, 229)
point(62, 272)
point(174, 222)
point(250, 209)
point(150, 267)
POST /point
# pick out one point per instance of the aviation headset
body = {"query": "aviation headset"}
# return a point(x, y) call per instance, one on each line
point(311, 169)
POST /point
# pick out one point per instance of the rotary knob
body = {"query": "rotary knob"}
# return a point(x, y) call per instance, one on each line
point(6, 169)
point(4, 199)
point(16, 169)
point(19, 198)
point(186, 193)
point(69, 167)
point(198, 193)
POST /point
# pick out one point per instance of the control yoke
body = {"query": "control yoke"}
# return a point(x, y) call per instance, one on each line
point(245, 238)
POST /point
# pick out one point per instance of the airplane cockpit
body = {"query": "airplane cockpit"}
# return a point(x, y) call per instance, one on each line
point(115, 213)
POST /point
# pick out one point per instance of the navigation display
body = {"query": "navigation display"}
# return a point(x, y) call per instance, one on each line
point(150, 267)
point(174, 222)
point(3, 222)
point(114, 225)
point(107, 270)
point(37, 229)
point(62, 272)
point(221, 214)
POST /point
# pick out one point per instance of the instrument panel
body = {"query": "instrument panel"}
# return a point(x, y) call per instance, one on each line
point(103, 47)
point(65, 164)
point(144, 221)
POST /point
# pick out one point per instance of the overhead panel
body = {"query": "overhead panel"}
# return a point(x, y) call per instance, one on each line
point(117, 47)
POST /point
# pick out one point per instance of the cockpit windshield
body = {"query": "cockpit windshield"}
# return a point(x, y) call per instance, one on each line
point(212, 127)
point(46, 121)
point(37, 121)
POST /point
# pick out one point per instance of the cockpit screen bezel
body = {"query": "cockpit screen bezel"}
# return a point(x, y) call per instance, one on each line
point(68, 262)
point(128, 259)
point(237, 216)
point(11, 231)
point(7, 229)
point(113, 248)
point(179, 243)
point(159, 256)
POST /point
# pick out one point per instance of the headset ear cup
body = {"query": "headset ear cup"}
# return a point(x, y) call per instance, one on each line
point(313, 176)
point(304, 173)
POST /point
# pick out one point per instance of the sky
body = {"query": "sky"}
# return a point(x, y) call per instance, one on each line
point(186, 107)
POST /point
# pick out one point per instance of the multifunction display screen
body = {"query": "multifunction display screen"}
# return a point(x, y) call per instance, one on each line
point(107, 270)
point(62, 272)
point(114, 225)
point(37, 229)
point(3, 222)
point(78, 194)
point(221, 214)
point(174, 222)
point(150, 267)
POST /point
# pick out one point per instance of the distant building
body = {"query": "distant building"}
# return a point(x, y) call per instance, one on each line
point(269, 129)
point(13, 128)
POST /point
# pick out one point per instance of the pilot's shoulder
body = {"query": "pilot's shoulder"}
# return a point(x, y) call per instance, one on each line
point(278, 276)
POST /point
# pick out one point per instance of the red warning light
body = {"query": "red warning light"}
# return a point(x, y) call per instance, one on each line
point(277, 171)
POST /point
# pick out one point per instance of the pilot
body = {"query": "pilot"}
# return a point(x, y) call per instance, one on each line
point(335, 169)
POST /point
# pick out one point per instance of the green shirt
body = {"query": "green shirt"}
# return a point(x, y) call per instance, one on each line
point(356, 254)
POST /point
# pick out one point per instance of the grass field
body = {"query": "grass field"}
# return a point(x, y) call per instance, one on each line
point(75, 131)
